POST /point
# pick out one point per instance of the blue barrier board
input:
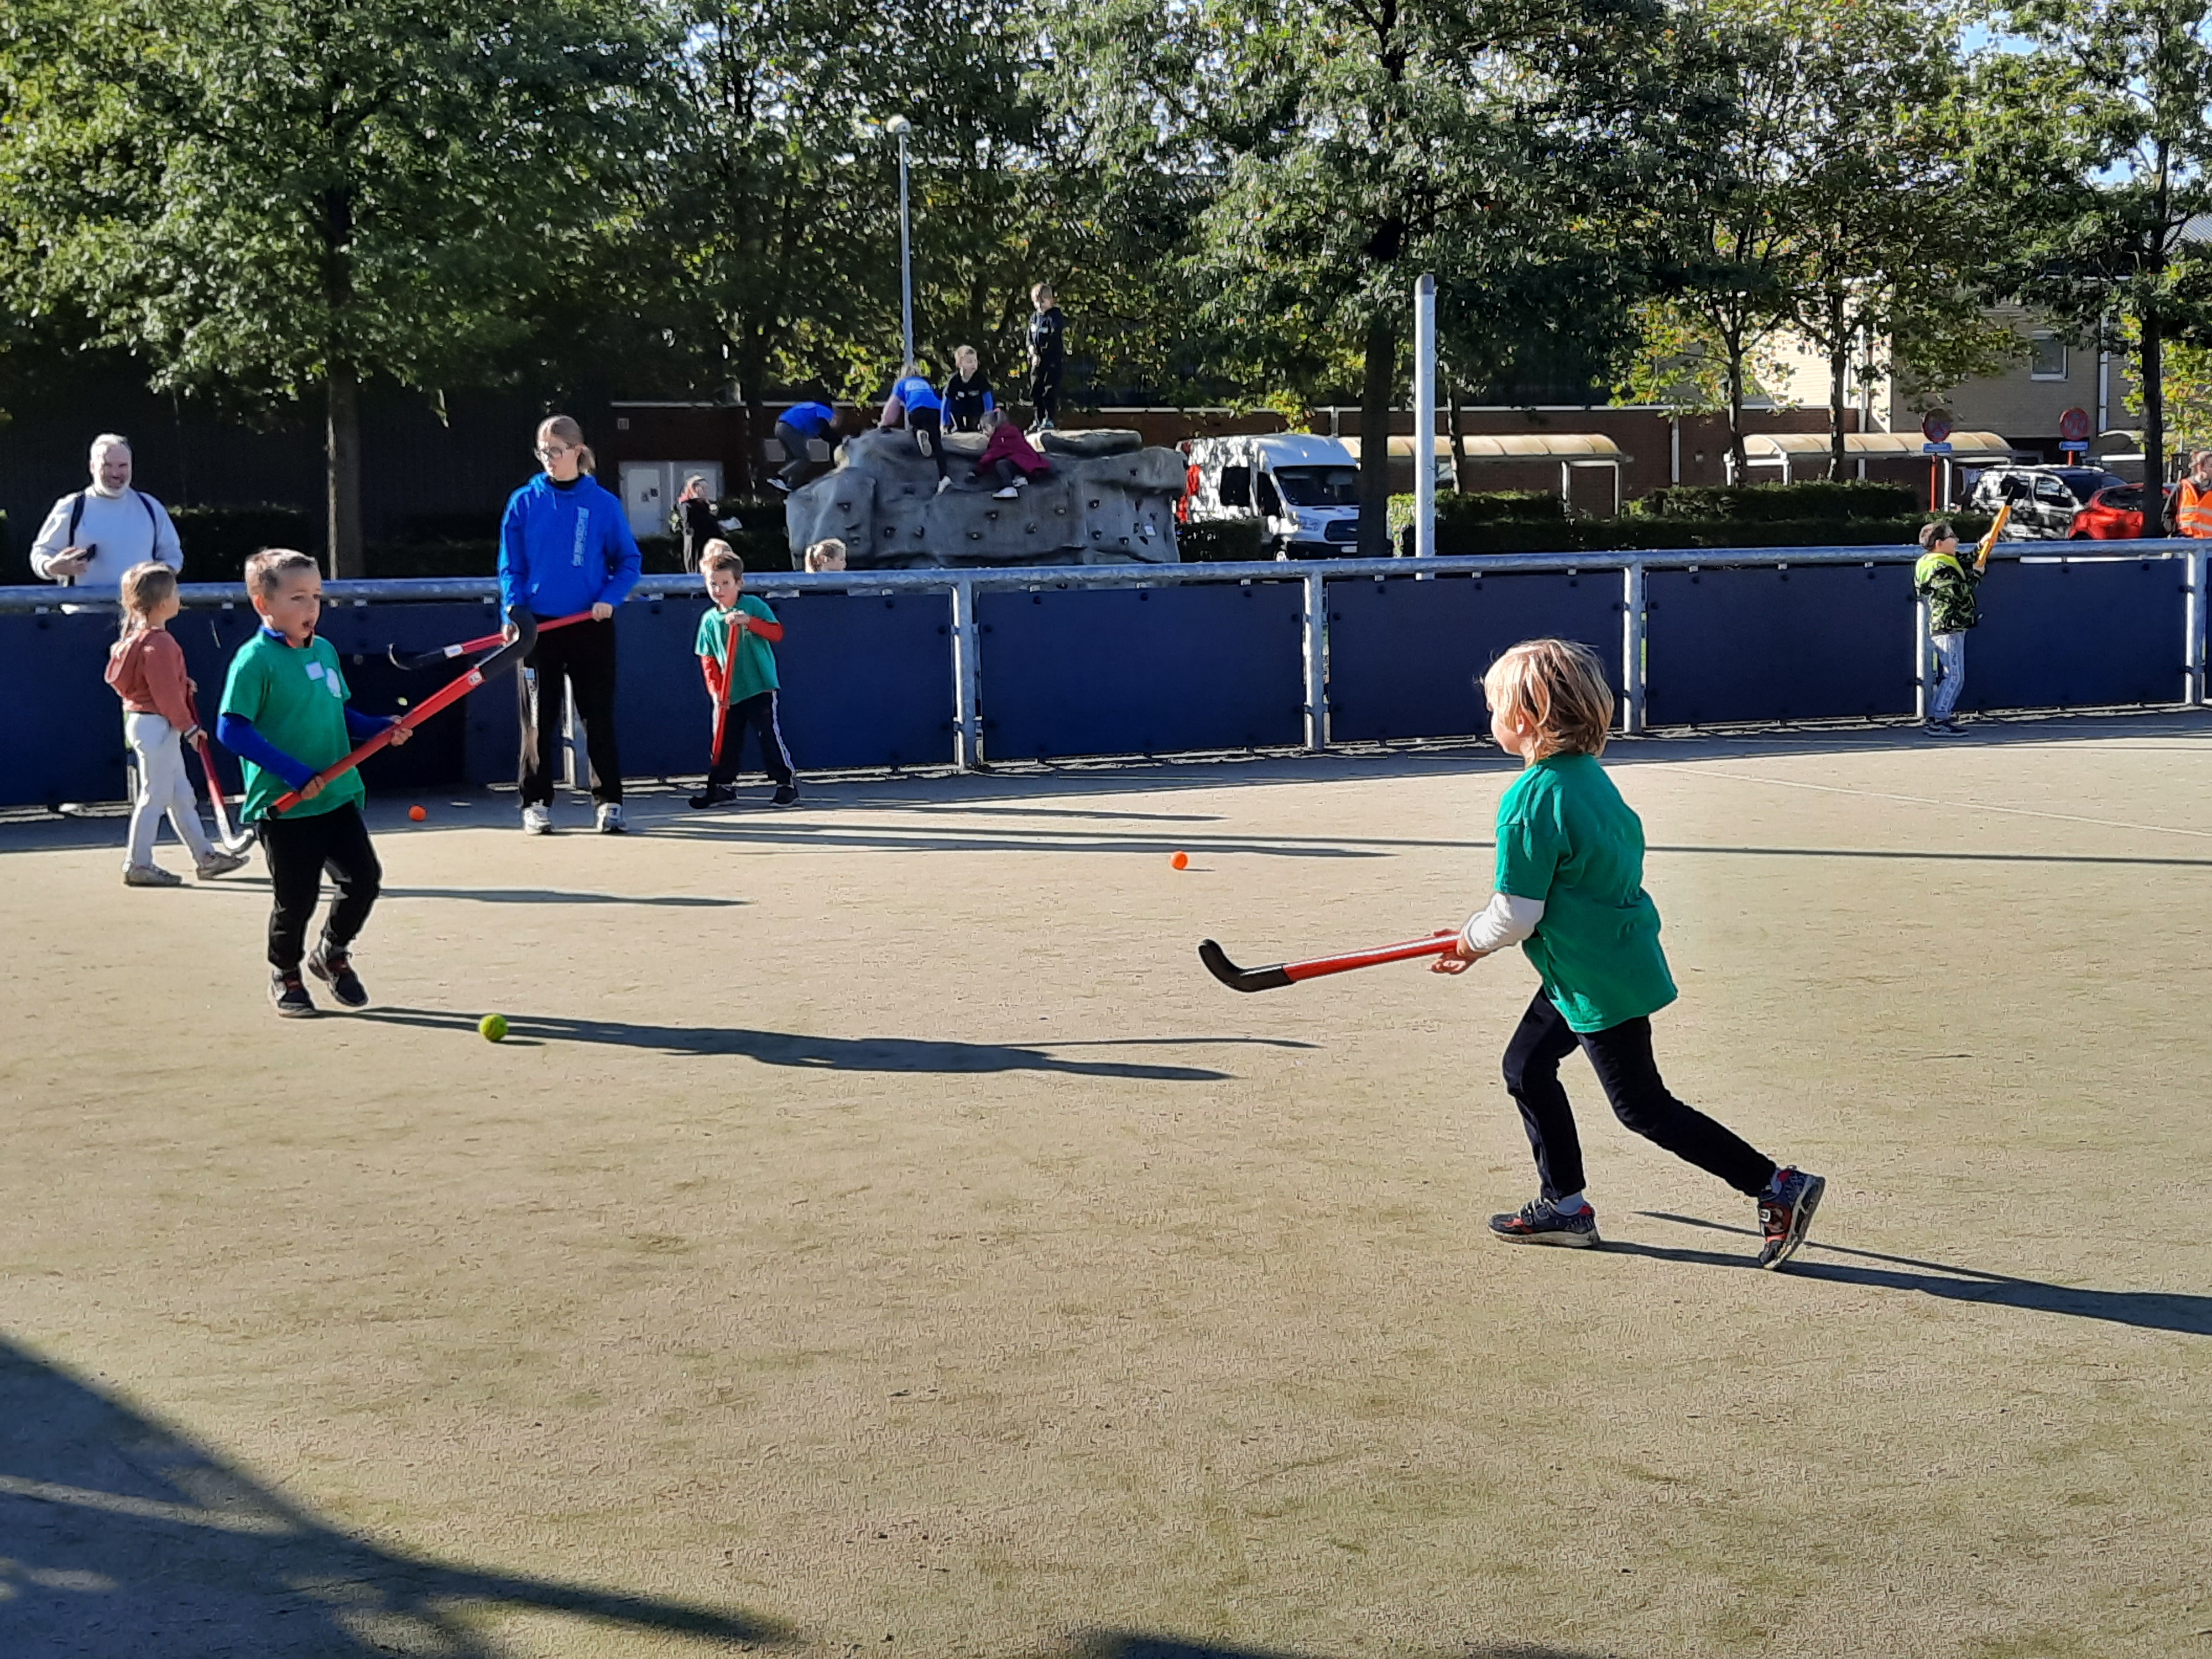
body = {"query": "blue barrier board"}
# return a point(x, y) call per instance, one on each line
point(1404, 654)
point(64, 741)
point(1151, 671)
point(1726, 645)
point(2075, 635)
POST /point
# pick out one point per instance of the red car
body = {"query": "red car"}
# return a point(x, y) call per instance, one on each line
point(2114, 514)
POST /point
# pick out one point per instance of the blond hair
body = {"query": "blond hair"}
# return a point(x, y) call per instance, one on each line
point(564, 428)
point(1557, 688)
point(266, 570)
point(819, 555)
point(719, 555)
point(143, 587)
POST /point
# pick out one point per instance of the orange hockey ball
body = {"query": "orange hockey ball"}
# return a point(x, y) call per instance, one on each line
point(417, 813)
point(1181, 860)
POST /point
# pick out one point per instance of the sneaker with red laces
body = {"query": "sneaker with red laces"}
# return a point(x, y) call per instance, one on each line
point(1545, 1223)
point(1785, 1214)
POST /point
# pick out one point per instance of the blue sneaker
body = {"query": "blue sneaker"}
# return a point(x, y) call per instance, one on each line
point(1785, 1215)
point(1545, 1223)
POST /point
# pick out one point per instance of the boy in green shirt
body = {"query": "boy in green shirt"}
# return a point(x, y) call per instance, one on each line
point(1948, 585)
point(285, 715)
point(1570, 890)
point(749, 694)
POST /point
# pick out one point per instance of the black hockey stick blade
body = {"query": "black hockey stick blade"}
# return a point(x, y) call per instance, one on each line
point(526, 636)
point(423, 659)
point(1240, 979)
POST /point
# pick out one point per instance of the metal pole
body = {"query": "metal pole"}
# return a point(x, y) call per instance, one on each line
point(1424, 417)
point(906, 256)
point(2194, 689)
point(1924, 661)
point(966, 677)
point(1632, 648)
point(1316, 649)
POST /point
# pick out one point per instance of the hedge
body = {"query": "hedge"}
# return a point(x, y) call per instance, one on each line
point(1221, 541)
point(217, 541)
point(1814, 501)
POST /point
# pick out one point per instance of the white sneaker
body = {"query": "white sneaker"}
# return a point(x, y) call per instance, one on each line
point(218, 863)
point(1006, 495)
point(537, 820)
point(151, 875)
point(944, 484)
point(610, 820)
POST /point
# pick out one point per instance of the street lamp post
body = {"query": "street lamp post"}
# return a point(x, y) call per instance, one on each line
point(898, 126)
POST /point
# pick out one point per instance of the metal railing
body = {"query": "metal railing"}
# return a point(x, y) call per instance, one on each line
point(1313, 575)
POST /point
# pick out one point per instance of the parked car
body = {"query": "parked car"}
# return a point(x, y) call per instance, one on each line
point(1303, 490)
point(2046, 499)
point(2114, 515)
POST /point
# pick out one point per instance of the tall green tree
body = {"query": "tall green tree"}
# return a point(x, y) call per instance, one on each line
point(285, 198)
point(2098, 138)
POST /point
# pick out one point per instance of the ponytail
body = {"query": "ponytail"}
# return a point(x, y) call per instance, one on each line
point(564, 428)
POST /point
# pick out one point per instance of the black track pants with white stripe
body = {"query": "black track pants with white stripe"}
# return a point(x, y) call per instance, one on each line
point(756, 714)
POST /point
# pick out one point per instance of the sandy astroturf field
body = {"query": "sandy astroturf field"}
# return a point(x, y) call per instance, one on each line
point(879, 1236)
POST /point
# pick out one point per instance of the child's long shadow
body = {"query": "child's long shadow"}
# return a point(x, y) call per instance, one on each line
point(874, 1054)
point(2153, 1310)
point(121, 1539)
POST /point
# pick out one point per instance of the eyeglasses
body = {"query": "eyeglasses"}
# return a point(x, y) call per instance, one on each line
point(548, 451)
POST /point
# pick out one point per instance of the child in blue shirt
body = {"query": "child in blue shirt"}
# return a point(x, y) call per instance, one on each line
point(1570, 892)
point(916, 402)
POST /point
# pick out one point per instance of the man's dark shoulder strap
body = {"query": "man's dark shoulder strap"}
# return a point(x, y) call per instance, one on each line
point(77, 514)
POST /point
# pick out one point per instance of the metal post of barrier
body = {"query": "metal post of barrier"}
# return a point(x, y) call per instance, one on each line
point(966, 677)
point(1632, 648)
point(1315, 633)
point(1924, 661)
point(2198, 564)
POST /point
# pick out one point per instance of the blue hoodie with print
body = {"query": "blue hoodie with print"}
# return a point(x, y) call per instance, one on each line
point(564, 549)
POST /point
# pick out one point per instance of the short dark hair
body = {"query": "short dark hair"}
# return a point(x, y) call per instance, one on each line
point(1938, 530)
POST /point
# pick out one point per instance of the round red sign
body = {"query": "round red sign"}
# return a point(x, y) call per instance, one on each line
point(1937, 427)
point(2074, 425)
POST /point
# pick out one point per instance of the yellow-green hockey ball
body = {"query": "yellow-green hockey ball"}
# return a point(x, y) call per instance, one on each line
point(493, 1027)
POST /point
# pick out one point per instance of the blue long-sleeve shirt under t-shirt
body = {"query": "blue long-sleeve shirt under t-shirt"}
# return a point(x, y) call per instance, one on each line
point(565, 548)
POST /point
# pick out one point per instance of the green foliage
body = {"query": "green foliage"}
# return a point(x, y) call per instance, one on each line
point(1810, 502)
point(1221, 541)
point(218, 540)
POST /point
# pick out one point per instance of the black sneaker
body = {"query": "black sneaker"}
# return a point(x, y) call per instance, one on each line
point(714, 794)
point(1786, 1214)
point(334, 969)
point(1544, 1222)
point(290, 996)
point(785, 795)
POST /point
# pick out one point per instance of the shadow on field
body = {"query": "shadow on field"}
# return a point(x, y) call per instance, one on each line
point(548, 896)
point(1121, 1645)
point(837, 1054)
point(121, 1539)
point(2151, 1311)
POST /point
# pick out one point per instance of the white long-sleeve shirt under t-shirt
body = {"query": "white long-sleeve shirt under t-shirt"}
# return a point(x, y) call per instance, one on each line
point(124, 529)
point(1506, 920)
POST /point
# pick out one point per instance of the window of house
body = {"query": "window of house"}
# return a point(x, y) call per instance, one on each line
point(2047, 357)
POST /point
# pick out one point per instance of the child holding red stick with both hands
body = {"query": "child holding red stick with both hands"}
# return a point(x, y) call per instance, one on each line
point(1570, 892)
point(285, 714)
point(748, 697)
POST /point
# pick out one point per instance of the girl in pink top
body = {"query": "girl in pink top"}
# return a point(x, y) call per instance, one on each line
point(146, 667)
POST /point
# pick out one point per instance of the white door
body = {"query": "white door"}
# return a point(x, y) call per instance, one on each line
point(647, 496)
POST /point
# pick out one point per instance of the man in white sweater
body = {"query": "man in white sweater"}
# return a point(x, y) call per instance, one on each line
point(94, 535)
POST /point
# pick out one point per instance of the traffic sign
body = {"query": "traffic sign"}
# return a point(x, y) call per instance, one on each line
point(2075, 446)
point(1937, 427)
point(1935, 449)
point(2074, 426)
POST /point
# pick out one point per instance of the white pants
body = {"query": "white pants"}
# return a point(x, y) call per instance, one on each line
point(163, 787)
point(1950, 673)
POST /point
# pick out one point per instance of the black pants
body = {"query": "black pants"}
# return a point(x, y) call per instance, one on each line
point(797, 459)
point(1006, 472)
point(755, 714)
point(299, 850)
point(583, 656)
point(1044, 392)
point(928, 425)
point(1621, 1056)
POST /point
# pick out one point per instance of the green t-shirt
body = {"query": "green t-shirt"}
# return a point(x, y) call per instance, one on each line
point(1566, 836)
point(1947, 583)
point(296, 699)
point(754, 671)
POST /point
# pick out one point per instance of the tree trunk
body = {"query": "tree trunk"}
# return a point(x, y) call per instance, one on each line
point(1839, 369)
point(1458, 423)
point(1375, 439)
point(2153, 397)
point(343, 389)
point(1738, 463)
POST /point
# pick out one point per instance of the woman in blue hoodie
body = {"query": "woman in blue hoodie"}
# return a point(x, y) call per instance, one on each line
point(565, 546)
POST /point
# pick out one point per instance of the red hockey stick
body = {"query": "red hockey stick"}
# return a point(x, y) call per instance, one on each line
point(1278, 975)
point(232, 842)
point(452, 692)
point(729, 667)
point(448, 653)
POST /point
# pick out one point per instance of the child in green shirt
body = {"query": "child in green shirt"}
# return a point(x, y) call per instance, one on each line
point(286, 716)
point(1948, 585)
point(1570, 891)
point(751, 690)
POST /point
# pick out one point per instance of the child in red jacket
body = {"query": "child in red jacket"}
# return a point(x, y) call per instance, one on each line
point(1009, 457)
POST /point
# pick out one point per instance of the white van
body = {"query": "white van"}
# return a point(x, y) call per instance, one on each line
point(1304, 491)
